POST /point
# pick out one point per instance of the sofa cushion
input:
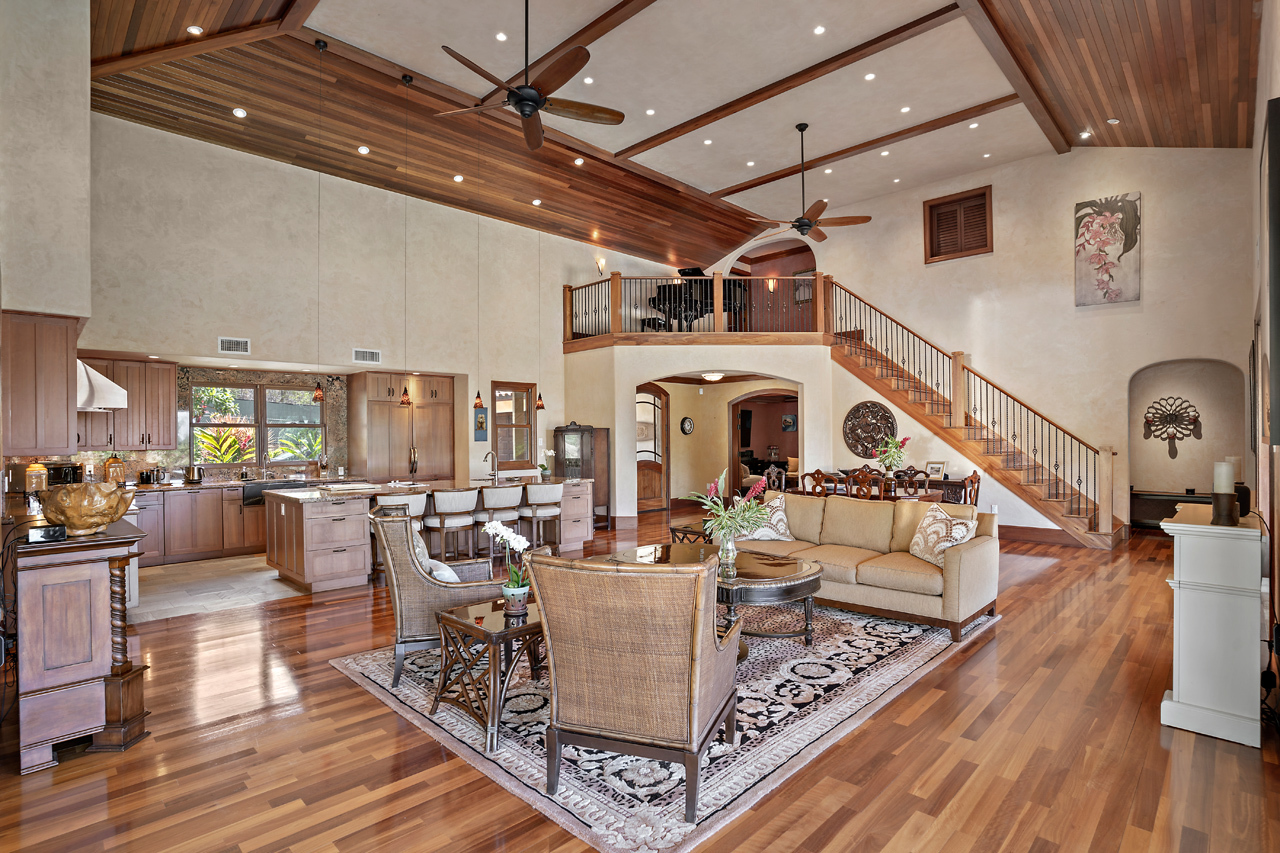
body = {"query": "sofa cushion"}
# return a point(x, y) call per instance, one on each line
point(907, 515)
point(774, 548)
point(857, 523)
point(902, 572)
point(804, 515)
point(775, 525)
point(938, 532)
point(839, 562)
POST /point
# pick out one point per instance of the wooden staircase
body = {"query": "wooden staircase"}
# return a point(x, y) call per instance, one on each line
point(1033, 468)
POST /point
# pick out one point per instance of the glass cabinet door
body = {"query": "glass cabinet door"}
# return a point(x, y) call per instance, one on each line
point(573, 454)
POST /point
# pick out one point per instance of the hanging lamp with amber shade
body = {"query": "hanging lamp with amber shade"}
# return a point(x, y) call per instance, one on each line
point(478, 404)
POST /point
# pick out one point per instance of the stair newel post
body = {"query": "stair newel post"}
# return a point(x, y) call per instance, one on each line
point(959, 390)
point(1106, 488)
point(819, 302)
point(568, 313)
point(717, 301)
point(615, 303)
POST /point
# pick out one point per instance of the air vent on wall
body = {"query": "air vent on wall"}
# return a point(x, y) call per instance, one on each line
point(233, 346)
point(366, 356)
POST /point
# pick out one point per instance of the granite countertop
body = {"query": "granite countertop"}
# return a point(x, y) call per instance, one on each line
point(372, 490)
point(235, 484)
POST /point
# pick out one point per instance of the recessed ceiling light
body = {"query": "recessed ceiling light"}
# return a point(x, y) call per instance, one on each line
point(895, 180)
point(239, 113)
point(153, 356)
point(363, 149)
point(537, 201)
point(817, 31)
point(905, 110)
point(826, 171)
point(986, 155)
point(826, 199)
point(195, 31)
point(706, 142)
point(578, 161)
point(648, 112)
point(1113, 121)
point(1084, 134)
point(458, 178)
point(884, 153)
point(751, 162)
point(972, 126)
point(306, 370)
point(501, 36)
point(588, 80)
point(416, 373)
point(869, 77)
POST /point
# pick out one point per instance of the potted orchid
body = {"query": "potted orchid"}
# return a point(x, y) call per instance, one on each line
point(516, 588)
point(731, 519)
point(891, 453)
point(545, 466)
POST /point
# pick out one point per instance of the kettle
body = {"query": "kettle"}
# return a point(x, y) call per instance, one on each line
point(158, 475)
point(193, 474)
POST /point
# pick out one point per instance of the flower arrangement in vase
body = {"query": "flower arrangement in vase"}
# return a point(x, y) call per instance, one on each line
point(731, 519)
point(516, 589)
point(545, 466)
point(891, 453)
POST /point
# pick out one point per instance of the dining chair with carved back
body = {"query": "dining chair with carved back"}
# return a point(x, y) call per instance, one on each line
point(970, 486)
point(911, 480)
point(864, 484)
point(775, 479)
point(820, 483)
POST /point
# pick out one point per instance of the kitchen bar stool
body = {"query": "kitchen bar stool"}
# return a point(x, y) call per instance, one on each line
point(454, 512)
point(415, 505)
point(543, 505)
point(499, 503)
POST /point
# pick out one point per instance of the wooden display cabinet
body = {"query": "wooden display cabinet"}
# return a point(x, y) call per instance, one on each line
point(583, 451)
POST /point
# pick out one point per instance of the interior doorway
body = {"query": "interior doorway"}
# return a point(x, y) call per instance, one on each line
point(764, 430)
point(653, 448)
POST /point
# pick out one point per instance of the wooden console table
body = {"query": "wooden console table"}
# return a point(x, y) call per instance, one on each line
point(75, 677)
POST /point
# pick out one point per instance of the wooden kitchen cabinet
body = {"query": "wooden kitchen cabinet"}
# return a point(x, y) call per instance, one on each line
point(318, 545)
point(192, 523)
point(232, 526)
point(94, 430)
point(39, 375)
point(151, 521)
point(433, 441)
point(385, 438)
point(151, 420)
point(255, 527)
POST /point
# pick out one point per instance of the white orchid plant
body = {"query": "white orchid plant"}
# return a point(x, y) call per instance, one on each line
point(512, 542)
point(550, 454)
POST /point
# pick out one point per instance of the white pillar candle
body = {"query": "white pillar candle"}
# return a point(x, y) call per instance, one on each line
point(1237, 469)
point(1223, 478)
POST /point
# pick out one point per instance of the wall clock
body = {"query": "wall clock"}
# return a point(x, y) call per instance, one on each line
point(686, 425)
point(866, 426)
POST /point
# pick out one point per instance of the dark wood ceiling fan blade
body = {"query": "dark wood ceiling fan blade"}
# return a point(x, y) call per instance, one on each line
point(815, 210)
point(769, 221)
point(561, 70)
point(817, 234)
point(583, 112)
point(844, 220)
point(478, 109)
point(501, 84)
point(774, 234)
point(532, 131)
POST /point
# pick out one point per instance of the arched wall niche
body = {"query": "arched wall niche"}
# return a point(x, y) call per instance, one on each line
point(1217, 391)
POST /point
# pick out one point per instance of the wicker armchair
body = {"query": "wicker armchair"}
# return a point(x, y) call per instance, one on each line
point(417, 596)
point(637, 665)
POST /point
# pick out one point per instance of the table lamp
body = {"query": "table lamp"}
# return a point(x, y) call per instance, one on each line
point(1226, 510)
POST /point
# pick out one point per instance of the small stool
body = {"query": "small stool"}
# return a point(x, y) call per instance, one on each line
point(454, 512)
point(542, 504)
point(499, 503)
point(415, 506)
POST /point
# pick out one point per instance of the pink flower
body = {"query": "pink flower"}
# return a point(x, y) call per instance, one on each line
point(712, 491)
point(904, 441)
point(755, 490)
point(1097, 259)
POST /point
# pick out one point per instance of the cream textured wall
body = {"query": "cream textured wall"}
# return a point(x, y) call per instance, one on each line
point(44, 156)
point(1218, 392)
point(192, 241)
point(1013, 310)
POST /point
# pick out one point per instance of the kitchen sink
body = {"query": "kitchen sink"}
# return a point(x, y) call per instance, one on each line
point(253, 492)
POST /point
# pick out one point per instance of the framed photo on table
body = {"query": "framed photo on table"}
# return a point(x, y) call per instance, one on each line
point(935, 469)
point(481, 420)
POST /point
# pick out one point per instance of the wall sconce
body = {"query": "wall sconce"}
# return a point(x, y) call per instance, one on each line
point(600, 265)
point(772, 285)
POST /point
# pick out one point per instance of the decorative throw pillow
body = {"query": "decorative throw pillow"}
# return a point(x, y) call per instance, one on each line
point(938, 532)
point(438, 570)
point(775, 526)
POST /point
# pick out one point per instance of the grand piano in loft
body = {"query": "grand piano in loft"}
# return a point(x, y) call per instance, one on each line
point(682, 304)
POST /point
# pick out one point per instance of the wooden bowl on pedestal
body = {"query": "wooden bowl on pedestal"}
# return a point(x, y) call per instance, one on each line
point(85, 508)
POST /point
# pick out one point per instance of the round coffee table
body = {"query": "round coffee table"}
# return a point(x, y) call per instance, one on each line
point(762, 579)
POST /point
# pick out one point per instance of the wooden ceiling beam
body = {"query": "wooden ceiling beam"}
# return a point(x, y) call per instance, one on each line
point(606, 23)
point(185, 50)
point(841, 60)
point(888, 139)
point(752, 260)
point(983, 24)
point(297, 15)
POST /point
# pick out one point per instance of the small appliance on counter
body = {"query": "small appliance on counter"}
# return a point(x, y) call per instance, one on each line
point(57, 473)
point(193, 474)
point(113, 470)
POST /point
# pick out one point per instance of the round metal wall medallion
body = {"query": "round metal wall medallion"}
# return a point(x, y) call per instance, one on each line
point(866, 426)
point(686, 425)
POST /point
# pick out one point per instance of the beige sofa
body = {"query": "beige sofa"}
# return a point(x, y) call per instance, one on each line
point(863, 548)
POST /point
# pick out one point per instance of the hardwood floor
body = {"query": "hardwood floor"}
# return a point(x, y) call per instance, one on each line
point(1044, 737)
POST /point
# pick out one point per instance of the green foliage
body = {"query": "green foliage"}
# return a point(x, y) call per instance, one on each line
point(214, 404)
point(298, 444)
point(733, 519)
point(226, 445)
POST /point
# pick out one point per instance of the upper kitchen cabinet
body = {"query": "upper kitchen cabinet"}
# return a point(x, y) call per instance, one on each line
point(151, 420)
point(39, 375)
point(388, 441)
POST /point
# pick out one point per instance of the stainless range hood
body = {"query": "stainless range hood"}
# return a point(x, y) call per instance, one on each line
point(97, 393)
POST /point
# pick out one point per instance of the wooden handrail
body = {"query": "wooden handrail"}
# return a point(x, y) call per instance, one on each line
point(1031, 409)
point(574, 287)
point(891, 317)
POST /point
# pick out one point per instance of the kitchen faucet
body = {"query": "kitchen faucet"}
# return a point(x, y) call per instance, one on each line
point(493, 470)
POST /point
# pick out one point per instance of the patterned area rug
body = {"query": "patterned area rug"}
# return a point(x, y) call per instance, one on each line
point(793, 702)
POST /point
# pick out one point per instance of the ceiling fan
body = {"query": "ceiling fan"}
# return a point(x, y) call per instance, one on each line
point(808, 222)
point(531, 98)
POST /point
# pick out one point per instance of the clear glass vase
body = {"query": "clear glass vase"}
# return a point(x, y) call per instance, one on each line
point(728, 557)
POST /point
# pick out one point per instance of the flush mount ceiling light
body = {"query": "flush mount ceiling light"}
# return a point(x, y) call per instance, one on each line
point(819, 30)
point(239, 113)
point(826, 171)
point(537, 202)
point(706, 142)
point(713, 377)
point(457, 178)
point(972, 126)
point(588, 80)
point(1113, 121)
point(895, 180)
point(1084, 134)
point(884, 153)
point(751, 162)
point(648, 112)
point(986, 155)
point(363, 149)
point(579, 161)
point(501, 36)
point(195, 31)
point(869, 77)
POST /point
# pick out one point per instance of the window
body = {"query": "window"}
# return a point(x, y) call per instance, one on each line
point(512, 423)
point(231, 423)
point(957, 226)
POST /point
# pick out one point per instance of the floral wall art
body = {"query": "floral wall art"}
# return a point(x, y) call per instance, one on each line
point(1108, 256)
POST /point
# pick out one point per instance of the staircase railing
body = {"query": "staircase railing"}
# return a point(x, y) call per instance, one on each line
point(891, 346)
point(587, 310)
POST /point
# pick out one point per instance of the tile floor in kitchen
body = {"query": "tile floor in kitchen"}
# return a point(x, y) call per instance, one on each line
point(205, 586)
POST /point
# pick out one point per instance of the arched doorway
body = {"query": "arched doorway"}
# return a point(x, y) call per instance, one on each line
point(653, 448)
point(764, 430)
point(780, 287)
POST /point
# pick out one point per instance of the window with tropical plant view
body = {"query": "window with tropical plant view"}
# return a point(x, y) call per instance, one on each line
point(234, 424)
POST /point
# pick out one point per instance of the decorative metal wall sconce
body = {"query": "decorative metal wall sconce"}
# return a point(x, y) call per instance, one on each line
point(1171, 419)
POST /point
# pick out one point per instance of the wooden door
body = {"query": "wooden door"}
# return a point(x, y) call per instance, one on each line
point(180, 522)
point(652, 454)
point(161, 406)
point(207, 518)
point(232, 525)
point(39, 376)
point(433, 437)
point(378, 457)
point(398, 441)
point(131, 422)
point(94, 429)
point(151, 521)
point(255, 526)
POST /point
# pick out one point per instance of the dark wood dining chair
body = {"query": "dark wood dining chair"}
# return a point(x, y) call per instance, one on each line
point(970, 486)
point(864, 484)
point(820, 483)
point(775, 478)
point(911, 480)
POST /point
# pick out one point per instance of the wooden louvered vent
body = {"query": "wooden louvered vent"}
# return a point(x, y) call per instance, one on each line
point(957, 226)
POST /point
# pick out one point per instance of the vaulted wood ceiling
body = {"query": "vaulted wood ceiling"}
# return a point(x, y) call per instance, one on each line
point(936, 85)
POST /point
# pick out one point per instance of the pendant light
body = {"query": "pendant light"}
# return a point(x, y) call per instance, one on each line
point(317, 396)
point(405, 399)
point(539, 406)
point(479, 403)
